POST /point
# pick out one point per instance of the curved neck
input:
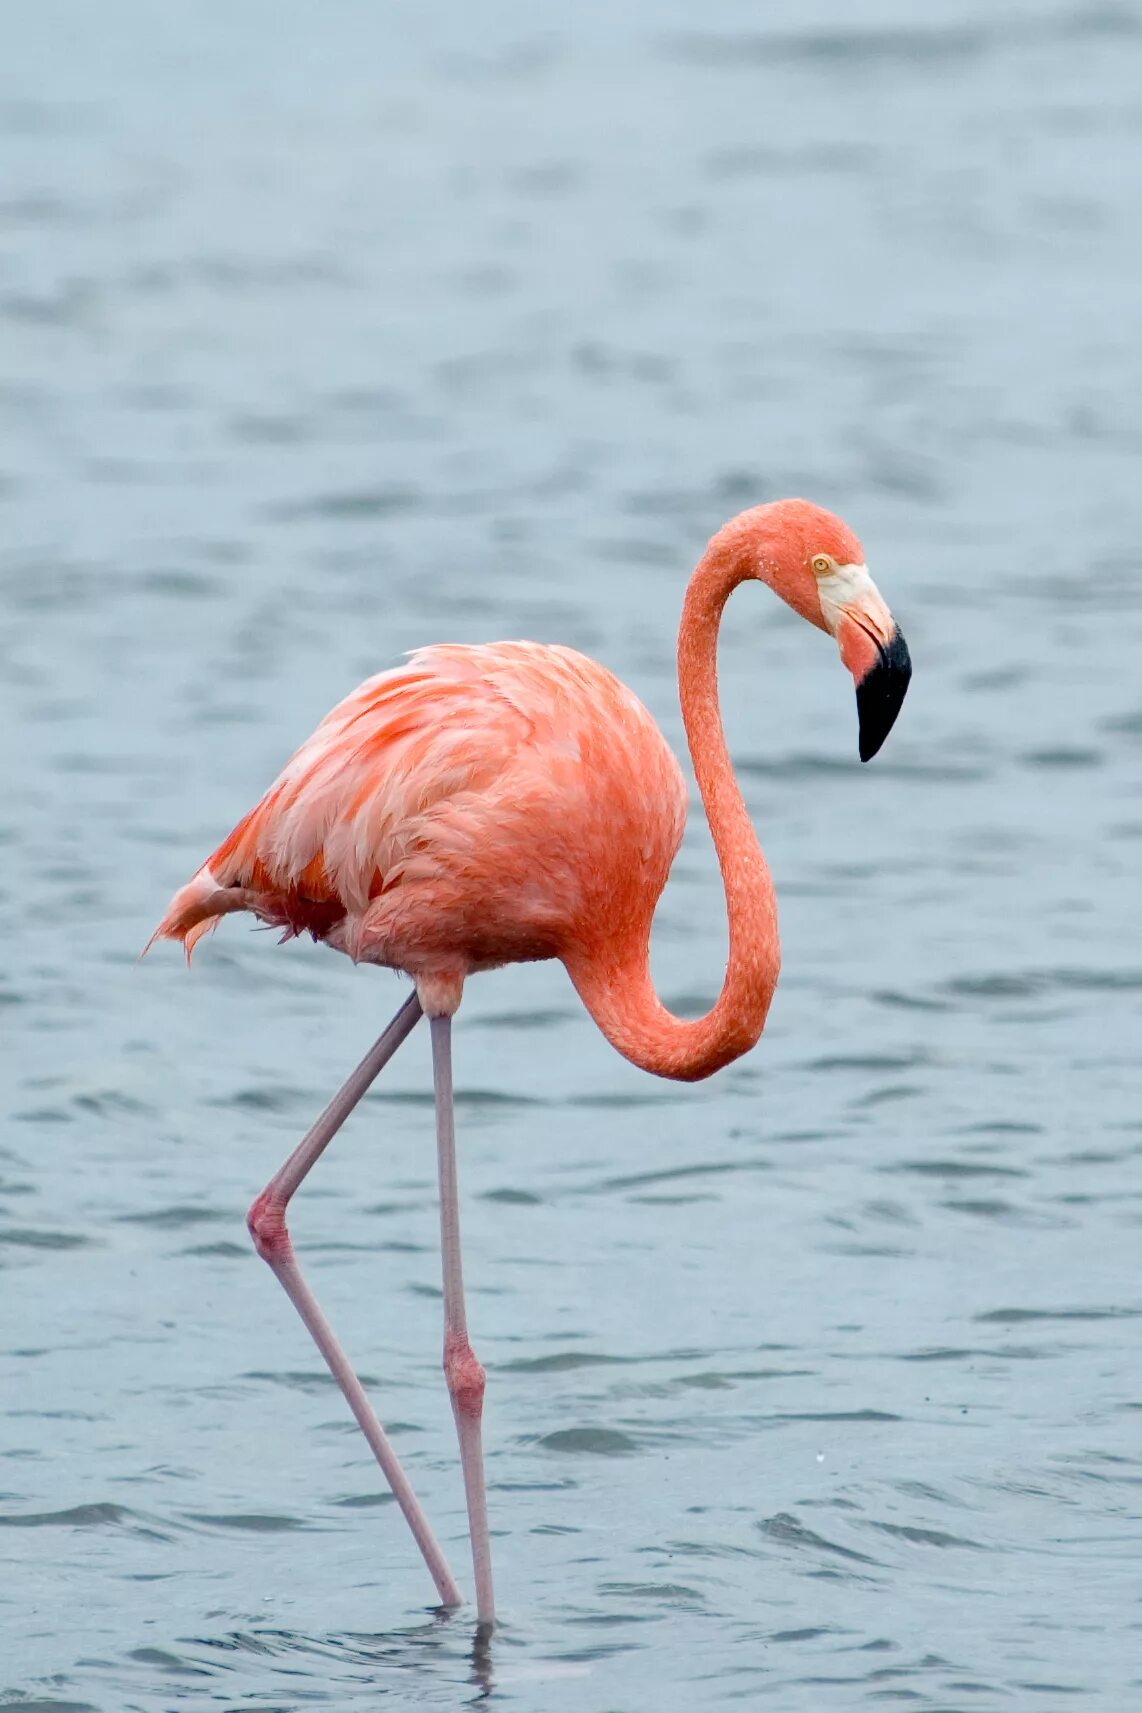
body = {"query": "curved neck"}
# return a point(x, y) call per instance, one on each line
point(615, 984)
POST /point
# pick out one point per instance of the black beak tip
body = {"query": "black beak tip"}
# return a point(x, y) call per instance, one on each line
point(880, 694)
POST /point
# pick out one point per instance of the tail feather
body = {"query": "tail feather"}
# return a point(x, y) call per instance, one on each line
point(196, 909)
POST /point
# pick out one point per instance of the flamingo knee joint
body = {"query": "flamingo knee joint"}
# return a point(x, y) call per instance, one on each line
point(266, 1222)
point(465, 1376)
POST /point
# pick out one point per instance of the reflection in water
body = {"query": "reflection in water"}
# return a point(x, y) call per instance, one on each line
point(449, 1646)
point(482, 1673)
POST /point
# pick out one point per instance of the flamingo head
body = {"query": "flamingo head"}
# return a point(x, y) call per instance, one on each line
point(816, 564)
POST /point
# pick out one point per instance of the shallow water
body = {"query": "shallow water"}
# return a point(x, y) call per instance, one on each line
point(815, 1386)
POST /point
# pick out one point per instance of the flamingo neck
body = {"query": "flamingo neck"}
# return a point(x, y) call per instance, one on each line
point(615, 983)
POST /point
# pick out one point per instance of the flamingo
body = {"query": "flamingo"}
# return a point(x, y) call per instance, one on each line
point(496, 804)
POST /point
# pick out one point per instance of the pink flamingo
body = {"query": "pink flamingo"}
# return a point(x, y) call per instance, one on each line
point(489, 805)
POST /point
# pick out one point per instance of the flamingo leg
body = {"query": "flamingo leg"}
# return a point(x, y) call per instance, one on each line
point(267, 1223)
point(463, 1372)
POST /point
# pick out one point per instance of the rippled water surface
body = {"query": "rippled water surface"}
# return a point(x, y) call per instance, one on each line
point(327, 332)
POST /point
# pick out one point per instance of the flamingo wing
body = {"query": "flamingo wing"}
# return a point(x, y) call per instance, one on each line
point(347, 816)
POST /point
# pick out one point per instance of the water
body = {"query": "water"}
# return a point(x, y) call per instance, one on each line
point(325, 335)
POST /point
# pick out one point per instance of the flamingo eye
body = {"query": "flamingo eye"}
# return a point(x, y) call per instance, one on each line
point(822, 564)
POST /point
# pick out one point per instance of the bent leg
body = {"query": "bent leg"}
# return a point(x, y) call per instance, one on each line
point(267, 1223)
point(464, 1374)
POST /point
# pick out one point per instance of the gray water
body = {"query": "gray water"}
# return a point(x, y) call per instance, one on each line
point(327, 332)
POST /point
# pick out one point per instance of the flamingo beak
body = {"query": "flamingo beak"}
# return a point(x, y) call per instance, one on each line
point(871, 647)
point(880, 692)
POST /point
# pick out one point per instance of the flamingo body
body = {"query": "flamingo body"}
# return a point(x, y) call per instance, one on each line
point(474, 807)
